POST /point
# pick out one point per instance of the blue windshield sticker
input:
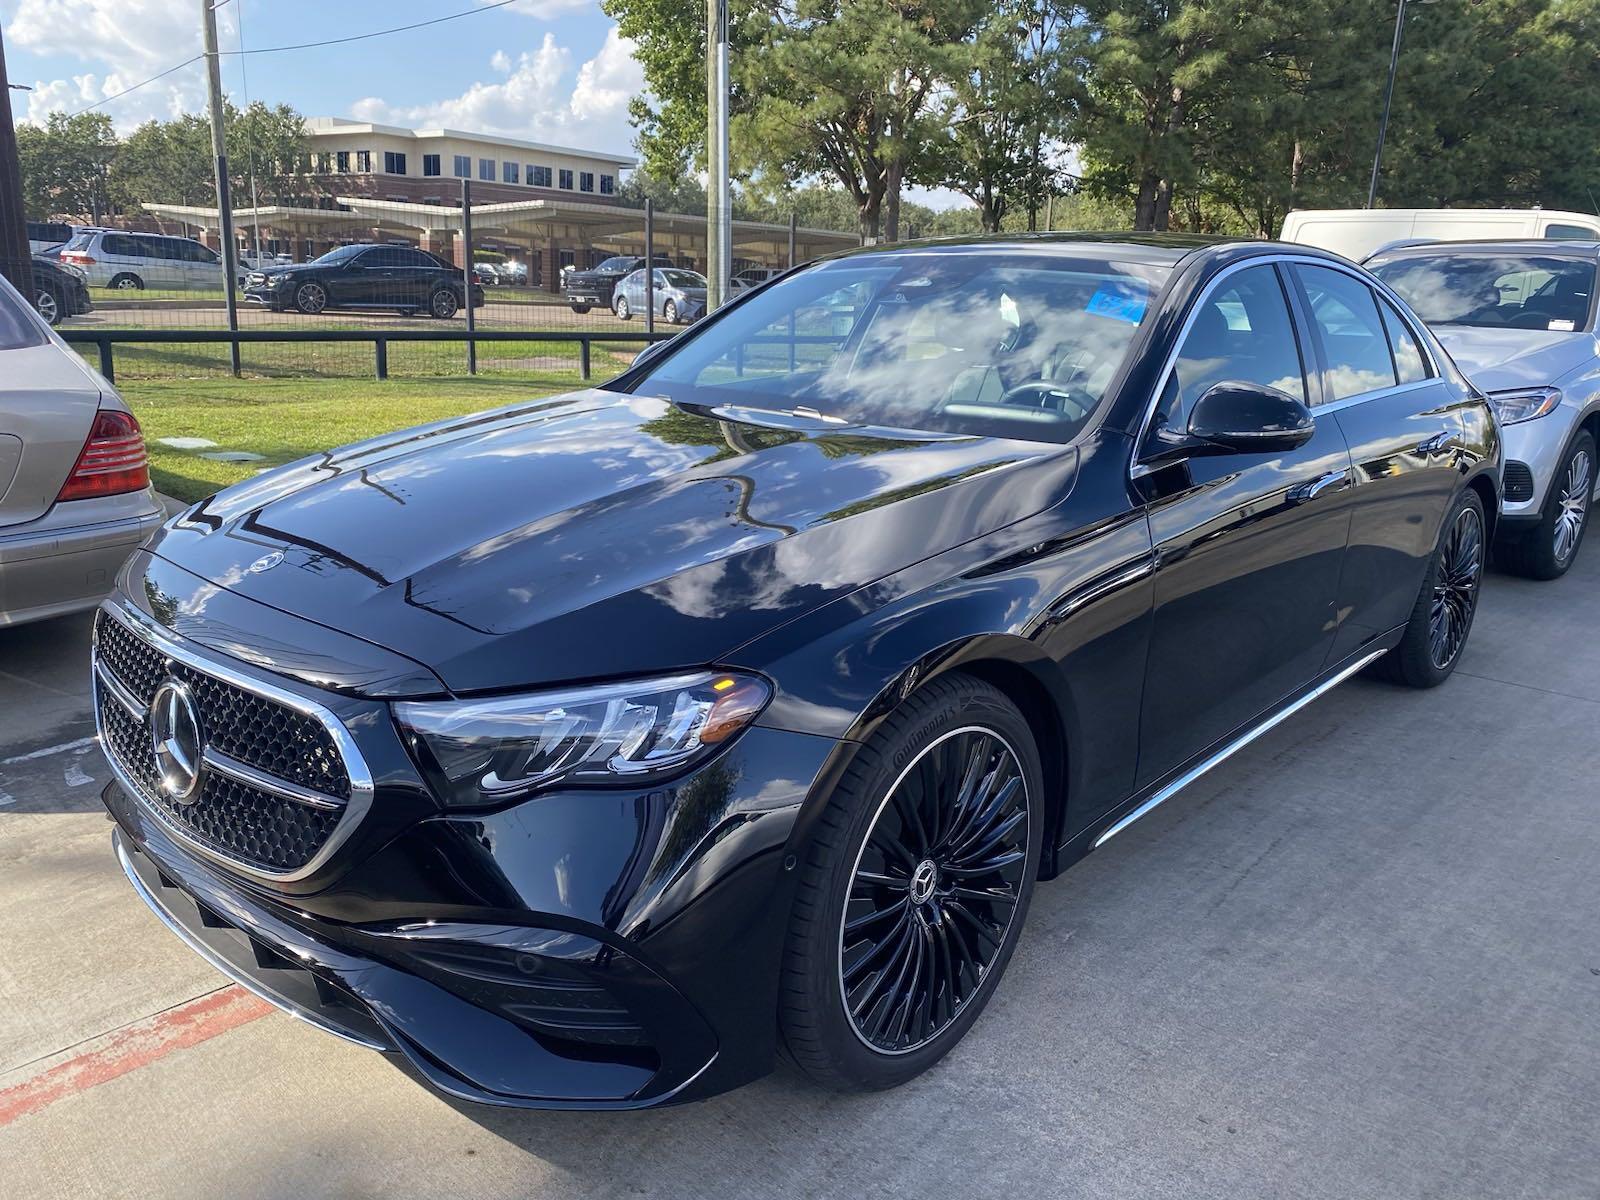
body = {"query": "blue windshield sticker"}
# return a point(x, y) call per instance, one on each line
point(1120, 300)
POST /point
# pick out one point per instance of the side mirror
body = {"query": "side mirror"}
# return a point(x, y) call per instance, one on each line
point(1247, 418)
point(650, 352)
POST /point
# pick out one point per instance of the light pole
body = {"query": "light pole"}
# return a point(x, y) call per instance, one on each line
point(1388, 97)
point(719, 204)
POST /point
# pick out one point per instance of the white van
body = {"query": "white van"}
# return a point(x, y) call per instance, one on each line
point(1359, 232)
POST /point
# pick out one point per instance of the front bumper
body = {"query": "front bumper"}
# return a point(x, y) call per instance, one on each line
point(590, 951)
point(1540, 443)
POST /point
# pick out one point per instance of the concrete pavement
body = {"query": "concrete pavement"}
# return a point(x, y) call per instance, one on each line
point(1360, 959)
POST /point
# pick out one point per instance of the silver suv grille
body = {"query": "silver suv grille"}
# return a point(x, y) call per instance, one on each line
point(276, 780)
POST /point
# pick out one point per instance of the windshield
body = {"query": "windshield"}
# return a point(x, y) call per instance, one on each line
point(618, 264)
point(340, 253)
point(1505, 291)
point(995, 343)
point(683, 279)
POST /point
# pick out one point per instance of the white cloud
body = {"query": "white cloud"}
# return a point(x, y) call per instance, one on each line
point(134, 39)
point(544, 9)
point(539, 99)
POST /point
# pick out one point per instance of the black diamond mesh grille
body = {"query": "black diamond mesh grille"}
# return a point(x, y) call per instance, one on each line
point(244, 822)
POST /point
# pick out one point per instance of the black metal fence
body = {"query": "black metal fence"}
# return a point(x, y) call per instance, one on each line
point(106, 340)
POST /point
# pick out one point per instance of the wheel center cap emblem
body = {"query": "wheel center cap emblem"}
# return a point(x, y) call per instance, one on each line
point(176, 739)
point(923, 880)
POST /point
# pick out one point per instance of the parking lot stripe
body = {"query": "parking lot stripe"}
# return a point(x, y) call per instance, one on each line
point(137, 1045)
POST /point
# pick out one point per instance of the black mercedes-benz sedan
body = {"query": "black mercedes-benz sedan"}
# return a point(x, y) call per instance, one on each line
point(589, 751)
point(364, 276)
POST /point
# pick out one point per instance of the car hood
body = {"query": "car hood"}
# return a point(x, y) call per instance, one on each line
point(599, 534)
point(1497, 360)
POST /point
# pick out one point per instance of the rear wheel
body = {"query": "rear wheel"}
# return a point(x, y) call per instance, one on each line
point(1548, 549)
point(50, 306)
point(913, 889)
point(127, 282)
point(443, 304)
point(1440, 621)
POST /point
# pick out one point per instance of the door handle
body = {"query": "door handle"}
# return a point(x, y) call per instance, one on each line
point(1333, 481)
point(1439, 443)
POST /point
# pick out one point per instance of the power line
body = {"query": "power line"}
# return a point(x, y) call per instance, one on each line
point(343, 41)
point(361, 37)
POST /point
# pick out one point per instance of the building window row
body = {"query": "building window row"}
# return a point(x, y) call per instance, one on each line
point(531, 174)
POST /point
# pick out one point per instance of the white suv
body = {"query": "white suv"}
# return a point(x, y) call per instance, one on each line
point(134, 261)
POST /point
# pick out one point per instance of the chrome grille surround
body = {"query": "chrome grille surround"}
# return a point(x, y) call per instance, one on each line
point(323, 791)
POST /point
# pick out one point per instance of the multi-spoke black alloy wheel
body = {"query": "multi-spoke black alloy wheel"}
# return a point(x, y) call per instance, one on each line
point(1455, 587)
point(1430, 645)
point(913, 887)
point(934, 890)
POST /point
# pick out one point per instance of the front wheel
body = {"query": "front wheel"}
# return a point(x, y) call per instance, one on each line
point(1441, 619)
point(913, 889)
point(310, 298)
point(669, 311)
point(620, 307)
point(1548, 549)
point(580, 309)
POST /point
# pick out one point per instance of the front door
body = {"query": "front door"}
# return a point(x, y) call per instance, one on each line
point(1404, 436)
point(1248, 546)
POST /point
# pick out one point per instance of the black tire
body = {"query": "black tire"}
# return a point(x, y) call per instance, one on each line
point(859, 860)
point(1548, 549)
point(580, 309)
point(443, 304)
point(127, 282)
point(620, 307)
point(311, 298)
point(51, 304)
point(1449, 594)
point(669, 312)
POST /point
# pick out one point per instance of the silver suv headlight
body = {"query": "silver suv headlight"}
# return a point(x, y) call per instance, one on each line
point(1524, 404)
point(478, 752)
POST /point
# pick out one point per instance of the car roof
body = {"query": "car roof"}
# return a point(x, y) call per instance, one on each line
point(1545, 247)
point(1164, 249)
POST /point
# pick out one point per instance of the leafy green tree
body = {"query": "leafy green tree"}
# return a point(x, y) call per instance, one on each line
point(66, 165)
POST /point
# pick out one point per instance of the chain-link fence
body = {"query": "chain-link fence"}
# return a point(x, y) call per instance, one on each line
point(368, 267)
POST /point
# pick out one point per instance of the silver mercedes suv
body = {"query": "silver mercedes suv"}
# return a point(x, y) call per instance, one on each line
point(1520, 319)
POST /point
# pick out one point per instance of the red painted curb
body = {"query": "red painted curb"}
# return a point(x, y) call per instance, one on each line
point(138, 1045)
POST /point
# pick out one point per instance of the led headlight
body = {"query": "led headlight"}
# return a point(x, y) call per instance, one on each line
point(1524, 404)
point(478, 752)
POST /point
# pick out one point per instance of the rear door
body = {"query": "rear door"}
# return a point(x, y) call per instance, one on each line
point(1399, 418)
point(1248, 546)
point(47, 404)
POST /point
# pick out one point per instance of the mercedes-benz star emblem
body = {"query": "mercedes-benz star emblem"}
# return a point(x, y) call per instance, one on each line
point(177, 741)
point(266, 562)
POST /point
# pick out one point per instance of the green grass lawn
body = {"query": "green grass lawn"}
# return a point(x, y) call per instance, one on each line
point(286, 419)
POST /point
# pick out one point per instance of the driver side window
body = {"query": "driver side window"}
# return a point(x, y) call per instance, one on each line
point(1241, 332)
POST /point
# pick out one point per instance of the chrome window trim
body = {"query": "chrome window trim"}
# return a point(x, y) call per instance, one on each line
point(361, 785)
point(1139, 469)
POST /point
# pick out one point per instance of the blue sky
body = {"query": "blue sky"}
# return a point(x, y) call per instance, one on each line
point(545, 70)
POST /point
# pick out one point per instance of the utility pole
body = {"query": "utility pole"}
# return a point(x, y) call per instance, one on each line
point(719, 204)
point(219, 151)
point(1388, 96)
point(16, 264)
point(466, 274)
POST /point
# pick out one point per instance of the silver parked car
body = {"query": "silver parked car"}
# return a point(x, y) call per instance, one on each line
point(134, 261)
point(75, 495)
point(1520, 319)
point(680, 295)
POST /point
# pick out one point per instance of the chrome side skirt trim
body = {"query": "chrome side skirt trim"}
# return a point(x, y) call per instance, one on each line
point(1233, 747)
point(221, 964)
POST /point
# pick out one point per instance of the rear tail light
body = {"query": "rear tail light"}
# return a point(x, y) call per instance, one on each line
point(82, 260)
point(112, 461)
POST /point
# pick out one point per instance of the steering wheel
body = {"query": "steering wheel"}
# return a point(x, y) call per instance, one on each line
point(1530, 320)
point(1049, 394)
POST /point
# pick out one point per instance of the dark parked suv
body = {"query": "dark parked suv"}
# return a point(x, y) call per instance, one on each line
point(364, 277)
point(583, 752)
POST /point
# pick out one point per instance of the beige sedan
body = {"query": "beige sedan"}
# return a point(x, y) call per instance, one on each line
point(75, 495)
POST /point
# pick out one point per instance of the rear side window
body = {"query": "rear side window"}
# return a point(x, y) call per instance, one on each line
point(1241, 332)
point(124, 247)
point(17, 328)
point(1353, 338)
point(1570, 233)
point(1409, 364)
